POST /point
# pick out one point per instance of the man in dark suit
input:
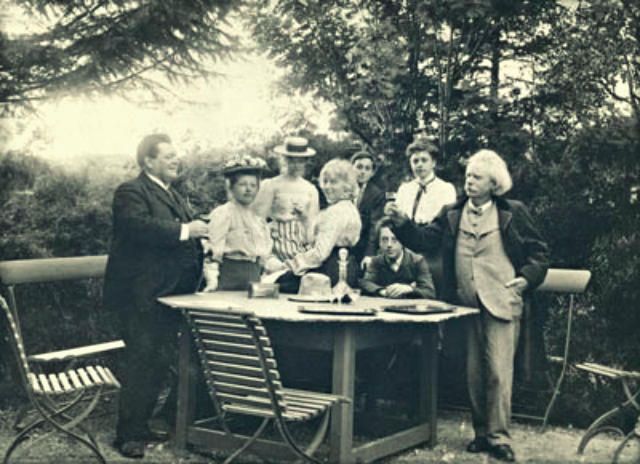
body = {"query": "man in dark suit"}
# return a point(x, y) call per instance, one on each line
point(155, 251)
point(370, 203)
point(493, 257)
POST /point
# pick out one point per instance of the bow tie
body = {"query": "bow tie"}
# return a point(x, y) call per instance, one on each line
point(475, 210)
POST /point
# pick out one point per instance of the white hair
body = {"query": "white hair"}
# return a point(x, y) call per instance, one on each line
point(495, 167)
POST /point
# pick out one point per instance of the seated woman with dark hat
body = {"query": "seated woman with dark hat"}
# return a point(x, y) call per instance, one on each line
point(337, 226)
point(239, 240)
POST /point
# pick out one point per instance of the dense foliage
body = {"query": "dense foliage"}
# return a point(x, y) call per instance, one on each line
point(104, 46)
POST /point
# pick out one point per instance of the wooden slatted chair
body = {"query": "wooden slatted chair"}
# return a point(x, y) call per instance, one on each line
point(59, 397)
point(242, 378)
point(563, 281)
point(71, 386)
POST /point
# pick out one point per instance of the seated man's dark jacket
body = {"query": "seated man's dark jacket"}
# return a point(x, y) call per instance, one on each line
point(413, 269)
point(523, 244)
point(147, 258)
point(371, 210)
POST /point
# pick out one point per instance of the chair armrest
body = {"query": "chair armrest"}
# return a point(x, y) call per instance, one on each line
point(79, 352)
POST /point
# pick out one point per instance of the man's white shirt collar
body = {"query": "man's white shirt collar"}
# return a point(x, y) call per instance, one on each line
point(395, 264)
point(426, 181)
point(157, 181)
point(482, 208)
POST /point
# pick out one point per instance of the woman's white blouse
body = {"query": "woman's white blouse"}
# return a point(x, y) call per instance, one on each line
point(438, 194)
point(235, 231)
point(336, 226)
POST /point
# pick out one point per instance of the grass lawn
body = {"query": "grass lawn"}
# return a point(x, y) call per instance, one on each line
point(556, 445)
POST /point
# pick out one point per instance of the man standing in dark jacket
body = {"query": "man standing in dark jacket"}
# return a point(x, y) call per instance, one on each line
point(493, 256)
point(155, 252)
point(370, 202)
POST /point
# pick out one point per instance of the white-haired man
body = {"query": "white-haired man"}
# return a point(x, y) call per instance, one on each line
point(493, 256)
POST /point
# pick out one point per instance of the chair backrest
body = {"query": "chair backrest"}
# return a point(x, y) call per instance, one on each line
point(565, 281)
point(33, 271)
point(17, 345)
point(238, 361)
point(22, 271)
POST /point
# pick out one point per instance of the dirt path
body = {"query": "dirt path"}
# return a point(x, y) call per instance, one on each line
point(556, 445)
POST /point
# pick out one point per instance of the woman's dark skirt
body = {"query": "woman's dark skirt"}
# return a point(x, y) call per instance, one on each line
point(237, 275)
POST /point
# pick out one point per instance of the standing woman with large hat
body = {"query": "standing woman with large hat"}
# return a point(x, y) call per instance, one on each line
point(288, 201)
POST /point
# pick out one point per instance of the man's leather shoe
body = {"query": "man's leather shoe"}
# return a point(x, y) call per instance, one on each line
point(478, 445)
point(131, 449)
point(503, 453)
point(155, 436)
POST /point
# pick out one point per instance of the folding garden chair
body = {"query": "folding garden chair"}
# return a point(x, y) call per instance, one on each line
point(604, 423)
point(563, 281)
point(61, 399)
point(242, 378)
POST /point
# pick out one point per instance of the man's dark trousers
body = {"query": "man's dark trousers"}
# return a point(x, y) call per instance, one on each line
point(151, 339)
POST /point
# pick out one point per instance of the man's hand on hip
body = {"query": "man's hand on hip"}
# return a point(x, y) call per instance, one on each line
point(519, 284)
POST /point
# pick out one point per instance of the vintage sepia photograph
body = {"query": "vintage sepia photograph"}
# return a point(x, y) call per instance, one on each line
point(324, 231)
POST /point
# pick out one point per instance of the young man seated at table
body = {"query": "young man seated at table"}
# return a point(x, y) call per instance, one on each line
point(396, 272)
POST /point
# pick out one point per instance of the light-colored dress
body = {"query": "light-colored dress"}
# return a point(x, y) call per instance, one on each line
point(236, 232)
point(292, 206)
point(436, 194)
point(336, 226)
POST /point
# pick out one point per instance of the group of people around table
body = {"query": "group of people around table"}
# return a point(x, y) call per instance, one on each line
point(492, 256)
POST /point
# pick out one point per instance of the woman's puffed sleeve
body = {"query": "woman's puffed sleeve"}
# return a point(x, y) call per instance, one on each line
point(264, 242)
point(450, 195)
point(264, 199)
point(314, 203)
point(404, 199)
point(219, 225)
point(328, 229)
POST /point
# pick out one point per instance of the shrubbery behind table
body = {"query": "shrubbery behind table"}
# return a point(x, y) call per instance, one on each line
point(343, 336)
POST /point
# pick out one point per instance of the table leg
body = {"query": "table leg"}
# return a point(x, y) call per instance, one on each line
point(186, 389)
point(428, 394)
point(344, 360)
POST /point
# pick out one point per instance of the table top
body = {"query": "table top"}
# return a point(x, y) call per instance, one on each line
point(281, 309)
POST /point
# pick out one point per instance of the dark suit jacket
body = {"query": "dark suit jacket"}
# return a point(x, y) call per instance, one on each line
point(525, 248)
point(413, 269)
point(371, 209)
point(523, 244)
point(147, 258)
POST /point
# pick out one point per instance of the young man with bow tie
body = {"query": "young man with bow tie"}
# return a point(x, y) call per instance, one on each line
point(493, 257)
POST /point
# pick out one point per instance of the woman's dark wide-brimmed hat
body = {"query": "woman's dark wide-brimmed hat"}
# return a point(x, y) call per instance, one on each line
point(244, 165)
point(295, 147)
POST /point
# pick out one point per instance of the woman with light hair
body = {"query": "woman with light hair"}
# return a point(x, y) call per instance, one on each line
point(493, 258)
point(337, 226)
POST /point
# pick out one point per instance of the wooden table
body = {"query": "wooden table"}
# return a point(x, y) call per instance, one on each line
point(341, 335)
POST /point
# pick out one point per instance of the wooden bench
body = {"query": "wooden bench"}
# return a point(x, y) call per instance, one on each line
point(53, 395)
